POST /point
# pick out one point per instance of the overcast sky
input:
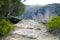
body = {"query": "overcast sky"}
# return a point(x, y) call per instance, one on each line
point(40, 2)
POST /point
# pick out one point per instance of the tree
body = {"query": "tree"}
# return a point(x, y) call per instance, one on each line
point(10, 7)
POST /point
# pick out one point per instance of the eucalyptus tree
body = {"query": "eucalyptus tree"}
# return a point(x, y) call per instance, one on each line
point(10, 7)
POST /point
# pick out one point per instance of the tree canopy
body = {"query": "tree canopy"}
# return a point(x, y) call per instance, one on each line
point(11, 7)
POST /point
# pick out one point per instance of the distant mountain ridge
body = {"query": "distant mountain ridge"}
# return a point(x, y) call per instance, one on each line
point(30, 10)
point(41, 13)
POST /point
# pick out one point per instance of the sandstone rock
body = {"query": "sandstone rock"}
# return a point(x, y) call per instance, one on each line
point(29, 24)
point(26, 32)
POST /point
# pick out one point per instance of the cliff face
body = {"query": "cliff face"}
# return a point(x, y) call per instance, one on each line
point(41, 13)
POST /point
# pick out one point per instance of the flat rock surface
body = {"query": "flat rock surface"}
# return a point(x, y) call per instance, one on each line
point(30, 33)
point(26, 33)
point(29, 24)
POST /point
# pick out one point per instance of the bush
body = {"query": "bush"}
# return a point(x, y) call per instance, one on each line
point(53, 24)
point(5, 27)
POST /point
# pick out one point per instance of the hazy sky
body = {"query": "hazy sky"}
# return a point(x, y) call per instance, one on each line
point(40, 2)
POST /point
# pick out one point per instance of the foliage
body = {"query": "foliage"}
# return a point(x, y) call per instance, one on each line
point(18, 10)
point(10, 7)
point(5, 27)
point(53, 24)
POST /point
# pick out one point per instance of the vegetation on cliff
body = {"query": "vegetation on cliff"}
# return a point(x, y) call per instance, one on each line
point(53, 24)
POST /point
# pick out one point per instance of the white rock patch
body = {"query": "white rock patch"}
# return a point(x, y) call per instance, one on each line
point(26, 32)
point(30, 24)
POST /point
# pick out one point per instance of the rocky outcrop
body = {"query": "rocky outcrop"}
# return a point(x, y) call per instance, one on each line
point(28, 24)
point(27, 33)
point(42, 13)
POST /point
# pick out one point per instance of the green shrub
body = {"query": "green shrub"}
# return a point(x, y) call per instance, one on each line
point(53, 24)
point(5, 27)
